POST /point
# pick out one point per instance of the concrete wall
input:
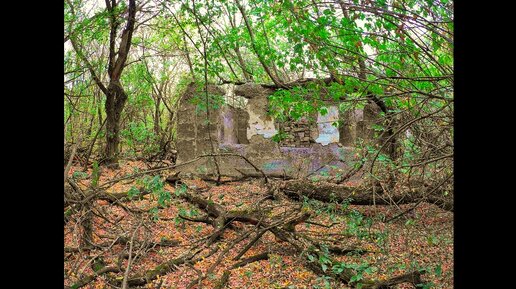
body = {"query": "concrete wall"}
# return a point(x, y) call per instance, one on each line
point(248, 131)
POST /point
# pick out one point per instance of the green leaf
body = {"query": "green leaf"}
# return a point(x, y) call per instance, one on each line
point(370, 270)
point(154, 212)
point(324, 267)
point(181, 190)
point(79, 175)
point(438, 270)
point(354, 279)
point(133, 191)
point(323, 20)
point(298, 48)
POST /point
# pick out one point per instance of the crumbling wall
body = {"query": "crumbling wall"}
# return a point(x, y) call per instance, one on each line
point(260, 123)
point(326, 126)
point(357, 124)
point(247, 129)
point(298, 133)
point(193, 129)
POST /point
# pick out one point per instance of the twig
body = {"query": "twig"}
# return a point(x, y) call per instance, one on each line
point(69, 164)
point(250, 244)
point(129, 262)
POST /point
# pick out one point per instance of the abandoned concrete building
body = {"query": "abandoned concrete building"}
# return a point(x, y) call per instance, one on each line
point(241, 125)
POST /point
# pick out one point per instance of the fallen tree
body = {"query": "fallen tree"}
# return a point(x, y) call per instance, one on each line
point(360, 195)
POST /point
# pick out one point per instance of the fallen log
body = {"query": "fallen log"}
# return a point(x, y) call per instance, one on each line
point(160, 270)
point(413, 278)
point(89, 278)
point(258, 257)
point(307, 249)
point(360, 195)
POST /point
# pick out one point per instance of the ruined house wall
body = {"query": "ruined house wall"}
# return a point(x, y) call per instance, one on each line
point(357, 124)
point(248, 129)
point(260, 123)
point(192, 130)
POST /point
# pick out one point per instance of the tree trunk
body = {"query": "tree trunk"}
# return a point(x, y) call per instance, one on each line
point(115, 102)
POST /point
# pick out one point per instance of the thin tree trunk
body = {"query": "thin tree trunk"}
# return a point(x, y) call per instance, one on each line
point(253, 45)
point(90, 126)
point(157, 117)
point(247, 76)
point(90, 148)
point(187, 54)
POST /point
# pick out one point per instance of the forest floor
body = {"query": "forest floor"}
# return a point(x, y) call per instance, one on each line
point(422, 239)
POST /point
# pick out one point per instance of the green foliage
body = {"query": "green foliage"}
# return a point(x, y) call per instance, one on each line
point(280, 136)
point(78, 175)
point(427, 285)
point(295, 103)
point(438, 271)
point(356, 224)
point(133, 192)
point(178, 220)
point(139, 136)
point(324, 261)
point(156, 186)
point(154, 213)
point(326, 282)
point(68, 212)
point(180, 190)
point(432, 240)
point(358, 269)
point(214, 102)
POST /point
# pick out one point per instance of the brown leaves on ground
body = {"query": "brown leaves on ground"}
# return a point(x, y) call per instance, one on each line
point(421, 239)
